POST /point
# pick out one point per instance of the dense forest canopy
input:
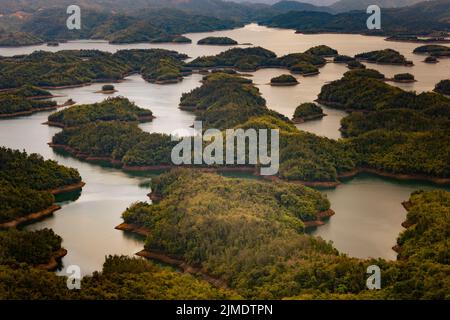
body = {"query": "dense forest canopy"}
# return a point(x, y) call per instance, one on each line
point(118, 108)
point(26, 182)
point(77, 67)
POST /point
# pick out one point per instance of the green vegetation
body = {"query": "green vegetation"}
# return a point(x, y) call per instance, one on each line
point(275, 260)
point(118, 141)
point(322, 51)
point(308, 111)
point(76, 67)
point(304, 68)
point(284, 79)
point(26, 182)
point(443, 87)
point(367, 73)
point(30, 247)
point(416, 153)
point(223, 41)
point(355, 65)
point(434, 50)
point(431, 59)
point(247, 59)
point(403, 120)
point(16, 39)
point(402, 77)
point(387, 56)
point(24, 100)
point(343, 59)
point(108, 87)
point(119, 108)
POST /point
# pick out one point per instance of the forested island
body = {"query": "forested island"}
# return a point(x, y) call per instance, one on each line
point(80, 67)
point(251, 59)
point(217, 41)
point(28, 184)
point(387, 56)
point(118, 109)
point(283, 80)
point(286, 253)
point(434, 50)
point(307, 112)
point(25, 101)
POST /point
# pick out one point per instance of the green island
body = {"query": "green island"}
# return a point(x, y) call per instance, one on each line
point(322, 51)
point(28, 184)
point(355, 64)
point(251, 59)
point(284, 80)
point(431, 59)
point(443, 87)
point(217, 241)
point(217, 41)
point(434, 50)
point(118, 109)
point(80, 67)
point(404, 78)
point(307, 112)
point(386, 56)
point(108, 89)
point(25, 101)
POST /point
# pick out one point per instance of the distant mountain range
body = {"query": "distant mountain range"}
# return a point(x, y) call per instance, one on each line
point(420, 19)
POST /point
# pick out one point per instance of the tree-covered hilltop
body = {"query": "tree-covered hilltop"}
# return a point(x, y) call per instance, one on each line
point(224, 101)
point(307, 111)
point(250, 59)
point(386, 56)
point(411, 153)
point(24, 101)
point(423, 18)
point(31, 247)
point(363, 91)
point(443, 87)
point(77, 67)
point(222, 41)
point(17, 39)
point(28, 181)
point(122, 278)
point(120, 142)
point(284, 79)
point(404, 77)
point(22, 169)
point(434, 50)
point(402, 119)
point(274, 260)
point(118, 108)
point(322, 51)
point(148, 25)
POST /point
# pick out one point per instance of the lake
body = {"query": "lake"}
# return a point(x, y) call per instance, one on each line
point(368, 208)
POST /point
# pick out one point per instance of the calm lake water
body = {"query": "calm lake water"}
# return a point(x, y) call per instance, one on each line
point(368, 208)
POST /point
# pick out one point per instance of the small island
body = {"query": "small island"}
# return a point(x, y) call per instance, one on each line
point(107, 89)
point(387, 56)
point(431, 59)
point(443, 87)
point(322, 51)
point(434, 50)
point(217, 41)
point(306, 112)
point(403, 78)
point(355, 65)
point(53, 44)
point(305, 69)
point(118, 109)
point(284, 80)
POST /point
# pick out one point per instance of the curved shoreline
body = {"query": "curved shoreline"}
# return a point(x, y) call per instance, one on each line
point(53, 263)
point(32, 217)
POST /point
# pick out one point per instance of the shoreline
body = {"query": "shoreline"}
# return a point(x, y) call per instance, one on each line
point(300, 120)
point(32, 217)
point(54, 260)
point(33, 111)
